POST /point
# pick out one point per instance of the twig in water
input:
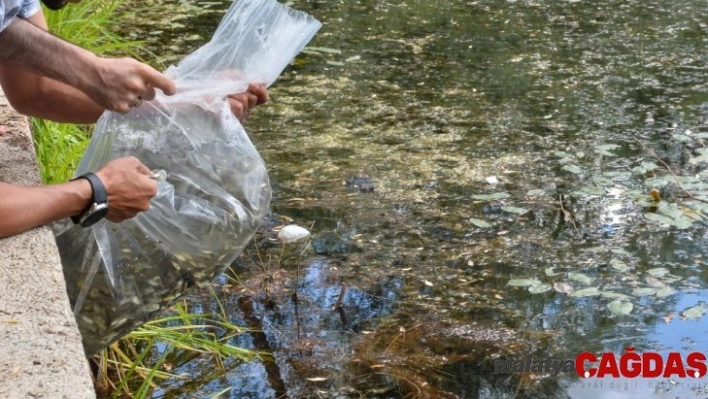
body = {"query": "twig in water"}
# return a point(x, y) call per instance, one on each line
point(652, 153)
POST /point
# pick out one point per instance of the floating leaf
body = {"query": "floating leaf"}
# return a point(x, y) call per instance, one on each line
point(683, 223)
point(620, 251)
point(655, 217)
point(550, 272)
point(326, 50)
point(694, 312)
point(335, 63)
point(592, 190)
point(513, 209)
point(561, 154)
point(573, 169)
point(614, 295)
point(493, 196)
point(524, 282)
point(581, 278)
point(619, 265)
point(480, 223)
point(589, 291)
point(658, 272)
point(563, 288)
point(666, 291)
point(620, 307)
point(317, 379)
point(428, 283)
point(605, 149)
point(353, 58)
point(539, 193)
point(539, 288)
point(655, 282)
point(603, 181)
point(643, 291)
point(681, 137)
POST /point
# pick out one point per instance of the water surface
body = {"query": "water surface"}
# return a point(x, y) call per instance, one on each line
point(404, 291)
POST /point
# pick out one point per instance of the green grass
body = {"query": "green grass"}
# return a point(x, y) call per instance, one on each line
point(88, 24)
point(134, 365)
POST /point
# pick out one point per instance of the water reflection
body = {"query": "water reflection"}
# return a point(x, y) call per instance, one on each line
point(568, 104)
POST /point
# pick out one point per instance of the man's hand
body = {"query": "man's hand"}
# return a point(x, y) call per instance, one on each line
point(243, 103)
point(114, 84)
point(122, 83)
point(129, 188)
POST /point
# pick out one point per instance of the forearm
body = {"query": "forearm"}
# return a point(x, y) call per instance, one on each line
point(30, 48)
point(23, 208)
point(45, 98)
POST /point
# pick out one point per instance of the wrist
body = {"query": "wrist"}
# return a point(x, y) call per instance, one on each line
point(81, 195)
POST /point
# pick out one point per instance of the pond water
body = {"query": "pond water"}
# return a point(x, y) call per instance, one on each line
point(512, 147)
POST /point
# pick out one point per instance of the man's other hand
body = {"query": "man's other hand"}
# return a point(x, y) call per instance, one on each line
point(243, 103)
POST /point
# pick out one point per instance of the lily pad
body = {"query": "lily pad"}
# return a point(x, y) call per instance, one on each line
point(539, 288)
point(644, 291)
point(589, 291)
point(523, 282)
point(480, 223)
point(619, 307)
point(573, 169)
point(664, 292)
point(614, 295)
point(563, 288)
point(492, 196)
point(513, 209)
point(619, 265)
point(658, 272)
point(581, 278)
point(694, 312)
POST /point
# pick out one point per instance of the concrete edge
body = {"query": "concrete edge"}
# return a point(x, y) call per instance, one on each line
point(41, 354)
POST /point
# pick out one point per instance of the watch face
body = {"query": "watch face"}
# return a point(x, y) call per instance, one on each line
point(96, 213)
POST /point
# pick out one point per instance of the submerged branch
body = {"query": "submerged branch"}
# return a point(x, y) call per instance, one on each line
point(652, 153)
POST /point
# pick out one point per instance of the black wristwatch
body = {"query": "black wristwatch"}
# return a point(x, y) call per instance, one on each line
point(98, 208)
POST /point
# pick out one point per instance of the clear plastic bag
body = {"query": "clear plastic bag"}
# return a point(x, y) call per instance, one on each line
point(216, 189)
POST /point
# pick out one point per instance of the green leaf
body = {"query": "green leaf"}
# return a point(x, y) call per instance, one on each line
point(539, 288)
point(655, 217)
point(666, 291)
point(589, 291)
point(644, 291)
point(493, 196)
point(573, 169)
point(694, 312)
point(605, 149)
point(325, 50)
point(523, 282)
point(619, 307)
point(579, 277)
point(480, 223)
point(513, 209)
point(614, 295)
point(658, 272)
point(619, 265)
point(681, 137)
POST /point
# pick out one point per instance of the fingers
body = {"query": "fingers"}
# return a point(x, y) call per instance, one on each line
point(149, 94)
point(155, 79)
point(260, 91)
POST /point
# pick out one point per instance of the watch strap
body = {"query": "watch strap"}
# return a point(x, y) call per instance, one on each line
point(99, 194)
